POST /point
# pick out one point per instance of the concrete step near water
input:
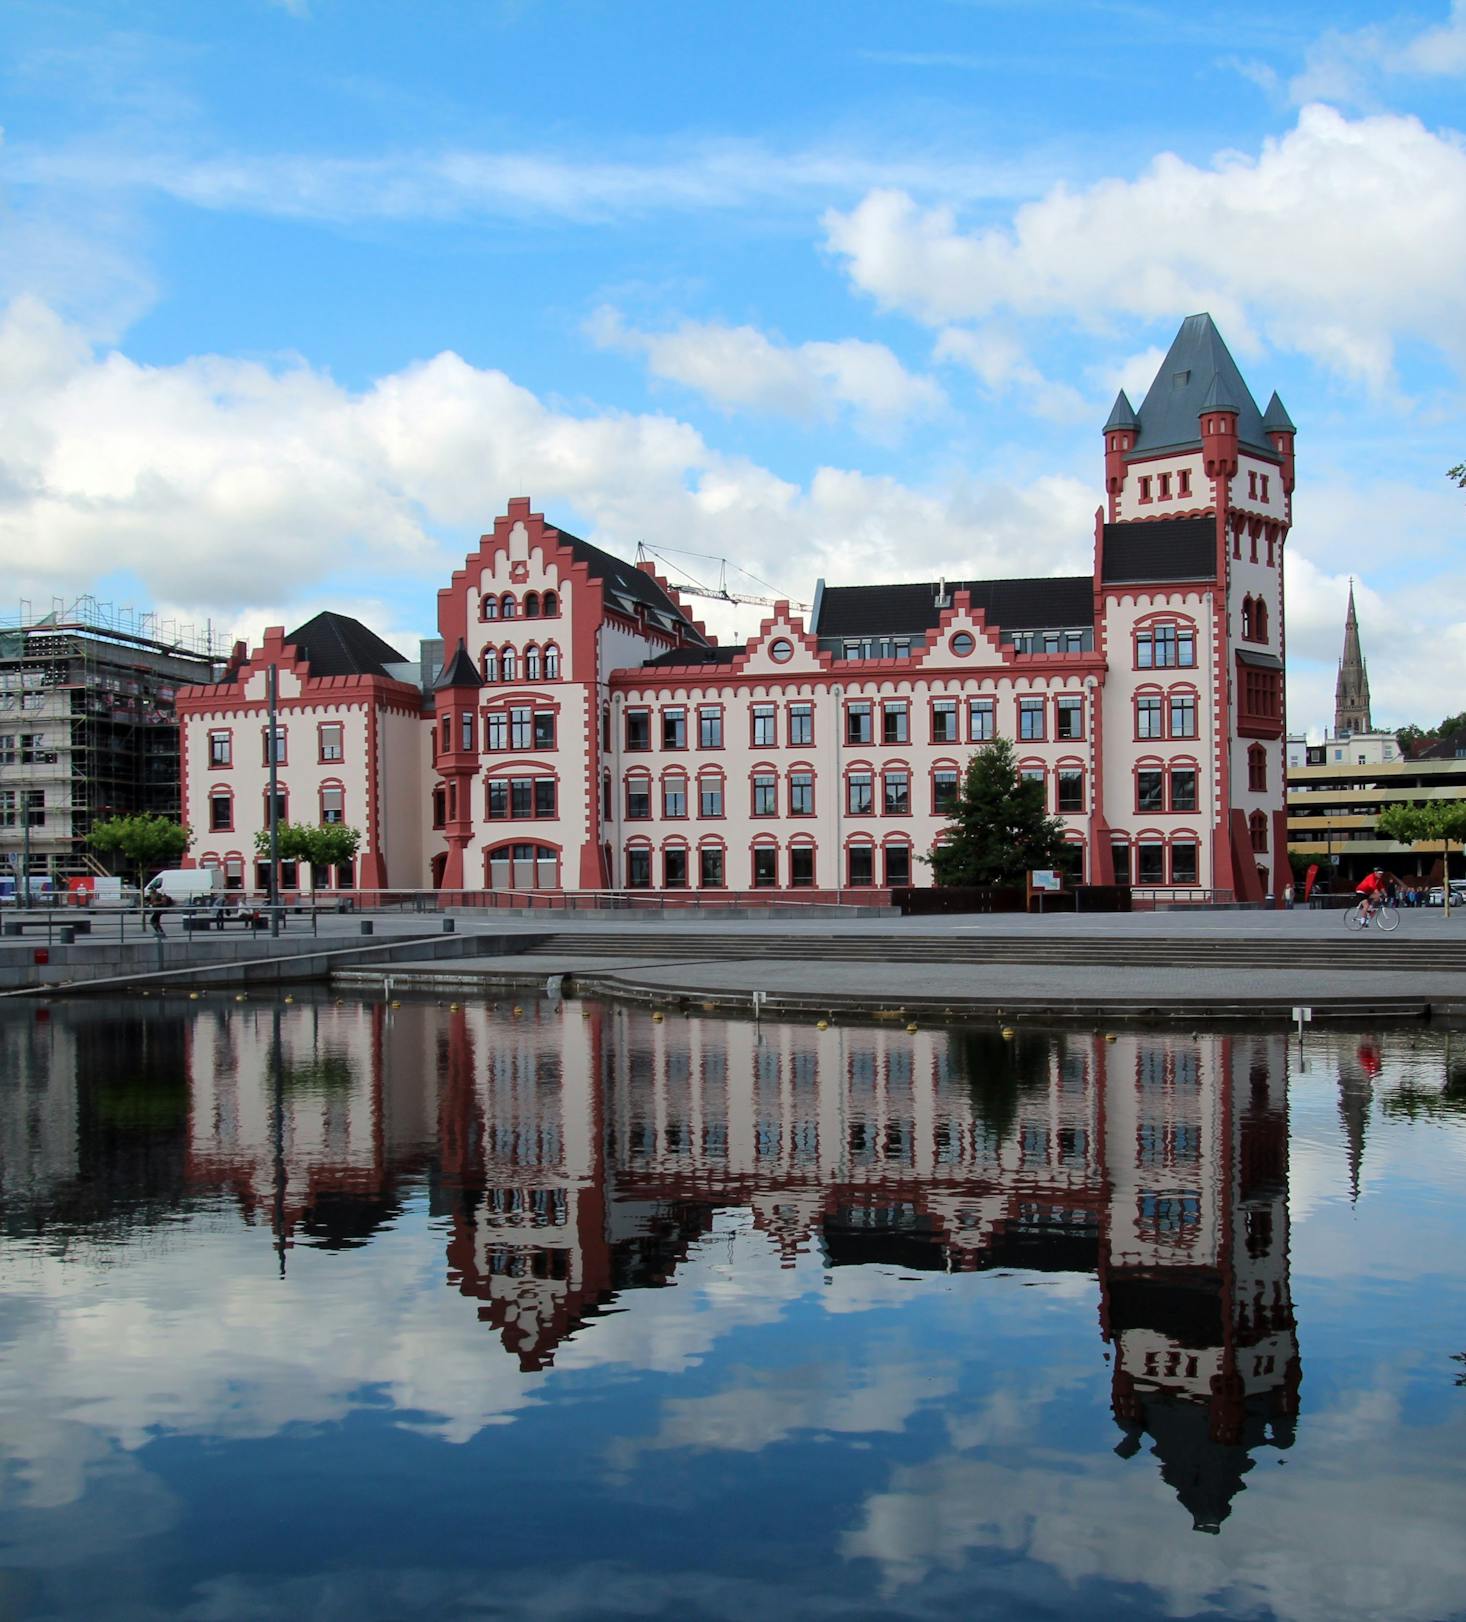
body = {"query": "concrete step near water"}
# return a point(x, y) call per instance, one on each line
point(1371, 954)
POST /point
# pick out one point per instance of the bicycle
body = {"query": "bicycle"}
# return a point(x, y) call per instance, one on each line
point(1385, 916)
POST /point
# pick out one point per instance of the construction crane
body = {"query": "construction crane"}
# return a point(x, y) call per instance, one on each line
point(719, 592)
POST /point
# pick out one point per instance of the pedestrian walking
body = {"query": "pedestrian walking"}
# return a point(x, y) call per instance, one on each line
point(157, 900)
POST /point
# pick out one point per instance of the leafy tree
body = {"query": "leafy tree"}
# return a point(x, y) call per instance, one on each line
point(1458, 473)
point(1436, 822)
point(304, 842)
point(999, 830)
point(142, 841)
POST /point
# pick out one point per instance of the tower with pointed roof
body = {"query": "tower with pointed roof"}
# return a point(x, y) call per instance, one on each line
point(1351, 691)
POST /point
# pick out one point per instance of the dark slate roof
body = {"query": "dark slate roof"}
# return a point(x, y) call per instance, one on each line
point(697, 654)
point(460, 671)
point(1122, 413)
point(1161, 549)
point(625, 580)
point(1276, 417)
point(1049, 602)
point(1197, 374)
point(337, 645)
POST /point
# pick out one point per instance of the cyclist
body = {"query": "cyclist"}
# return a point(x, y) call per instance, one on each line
point(1373, 890)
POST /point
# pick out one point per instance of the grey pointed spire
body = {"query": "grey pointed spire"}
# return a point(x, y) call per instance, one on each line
point(1276, 419)
point(1198, 374)
point(1122, 413)
point(459, 671)
point(1219, 396)
point(1351, 692)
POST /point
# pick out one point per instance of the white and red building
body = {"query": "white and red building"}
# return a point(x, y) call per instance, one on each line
point(579, 730)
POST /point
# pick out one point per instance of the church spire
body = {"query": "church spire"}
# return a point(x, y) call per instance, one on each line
point(1351, 694)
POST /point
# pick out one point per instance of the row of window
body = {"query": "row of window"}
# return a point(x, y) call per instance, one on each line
point(22, 808)
point(339, 877)
point(537, 605)
point(29, 749)
point(1157, 486)
point(330, 746)
point(330, 806)
point(503, 664)
point(770, 868)
point(1254, 619)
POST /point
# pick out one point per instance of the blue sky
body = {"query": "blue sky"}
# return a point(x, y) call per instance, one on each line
point(294, 297)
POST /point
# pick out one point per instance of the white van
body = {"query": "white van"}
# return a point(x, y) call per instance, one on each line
point(185, 886)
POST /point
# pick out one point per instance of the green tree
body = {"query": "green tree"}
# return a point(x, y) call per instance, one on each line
point(999, 830)
point(1458, 473)
point(140, 842)
point(1436, 822)
point(303, 842)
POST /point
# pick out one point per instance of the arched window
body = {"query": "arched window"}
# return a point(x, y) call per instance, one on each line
point(1248, 634)
point(488, 609)
point(550, 605)
point(552, 661)
point(531, 605)
point(488, 664)
point(1259, 620)
point(508, 664)
point(508, 608)
point(532, 663)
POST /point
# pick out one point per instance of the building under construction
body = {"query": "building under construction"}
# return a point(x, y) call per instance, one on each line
point(87, 727)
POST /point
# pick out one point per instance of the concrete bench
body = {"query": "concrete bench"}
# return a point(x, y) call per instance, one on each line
point(18, 926)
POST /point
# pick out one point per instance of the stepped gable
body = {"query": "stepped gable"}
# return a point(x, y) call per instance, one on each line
point(626, 586)
point(1046, 602)
point(337, 645)
point(1198, 374)
point(1154, 549)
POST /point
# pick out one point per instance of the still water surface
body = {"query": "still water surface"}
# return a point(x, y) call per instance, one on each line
point(324, 1311)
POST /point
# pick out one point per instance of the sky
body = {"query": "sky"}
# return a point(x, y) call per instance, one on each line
point(295, 295)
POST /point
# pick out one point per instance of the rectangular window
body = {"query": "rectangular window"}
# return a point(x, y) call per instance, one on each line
point(895, 723)
point(980, 723)
point(496, 731)
point(1069, 718)
point(1031, 719)
point(710, 726)
point(638, 799)
point(467, 732)
point(638, 730)
point(638, 869)
point(1149, 791)
point(281, 812)
point(1252, 484)
point(801, 867)
point(279, 746)
point(1165, 486)
point(544, 729)
point(440, 807)
point(763, 731)
point(710, 867)
point(1071, 789)
point(674, 729)
point(765, 868)
point(1264, 486)
point(1257, 770)
point(801, 794)
point(1183, 715)
point(674, 869)
point(1145, 488)
point(1184, 866)
point(1148, 722)
point(801, 724)
point(898, 865)
point(221, 749)
point(329, 734)
point(765, 794)
point(221, 813)
point(861, 867)
point(1163, 647)
point(859, 794)
point(1183, 482)
point(521, 797)
point(544, 796)
point(710, 798)
point(1120, 855)
point(521, 727)
point(1150, 863)
point(497, 793)
point(896, 793)
point(858, 722)
point(944, 793)
point(1183, 788)
point(674, 797)
point(333, 805)
point(944, 720)
point(7, 808)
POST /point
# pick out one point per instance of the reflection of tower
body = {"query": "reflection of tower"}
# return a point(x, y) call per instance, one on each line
point(1351, 692)
point(1194, 1266)
point(1356, 1096)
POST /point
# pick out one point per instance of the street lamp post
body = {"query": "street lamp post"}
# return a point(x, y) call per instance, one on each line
point(272, 694)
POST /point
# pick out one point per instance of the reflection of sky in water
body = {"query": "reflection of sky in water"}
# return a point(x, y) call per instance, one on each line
point(583, 1316)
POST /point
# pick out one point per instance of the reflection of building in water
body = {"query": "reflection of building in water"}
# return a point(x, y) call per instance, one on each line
point(1194, 1266)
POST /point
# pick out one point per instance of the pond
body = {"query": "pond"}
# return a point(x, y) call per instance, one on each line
point(340, 1309)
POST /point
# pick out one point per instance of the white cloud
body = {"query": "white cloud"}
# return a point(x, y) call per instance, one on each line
point(1348, 64)
point(995, 357)
point(1337, 239)
point(220, 483)
point(743, 368)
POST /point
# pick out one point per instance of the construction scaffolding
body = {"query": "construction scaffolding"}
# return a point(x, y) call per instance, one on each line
point(88, 728)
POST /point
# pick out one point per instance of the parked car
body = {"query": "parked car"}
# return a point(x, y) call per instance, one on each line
point(1436, 896)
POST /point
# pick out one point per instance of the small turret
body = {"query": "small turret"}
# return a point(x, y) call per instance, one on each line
point(1120, 431)
point(1218, 416)
point(1278, 426)
point(455, 703)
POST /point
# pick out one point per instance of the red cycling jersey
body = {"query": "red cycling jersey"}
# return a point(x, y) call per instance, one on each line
point(1372, 882)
